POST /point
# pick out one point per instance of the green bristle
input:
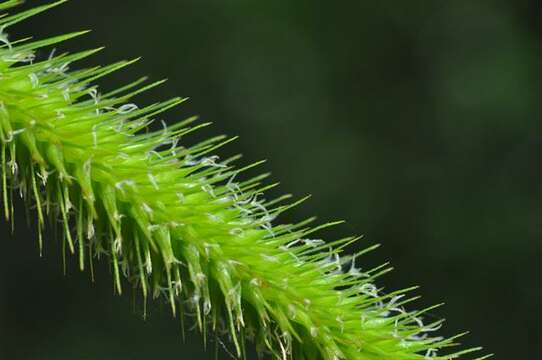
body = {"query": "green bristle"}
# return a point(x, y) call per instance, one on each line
point(178, 223)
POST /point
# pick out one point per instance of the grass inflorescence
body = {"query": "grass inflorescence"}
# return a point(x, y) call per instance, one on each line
point(176, 222)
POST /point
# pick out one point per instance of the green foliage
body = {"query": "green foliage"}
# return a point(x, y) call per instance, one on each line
point(177, 223)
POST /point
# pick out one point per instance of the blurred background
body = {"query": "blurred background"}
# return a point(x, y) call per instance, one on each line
point(419, 122)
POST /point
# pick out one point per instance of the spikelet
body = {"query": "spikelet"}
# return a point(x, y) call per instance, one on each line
point(177, 223)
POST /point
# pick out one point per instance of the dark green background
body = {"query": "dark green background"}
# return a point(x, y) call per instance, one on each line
point(420, 122)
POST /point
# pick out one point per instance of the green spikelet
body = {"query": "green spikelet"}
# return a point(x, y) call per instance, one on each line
point(177, 223)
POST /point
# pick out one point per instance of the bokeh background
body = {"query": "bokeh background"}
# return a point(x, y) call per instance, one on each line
point(419, 122)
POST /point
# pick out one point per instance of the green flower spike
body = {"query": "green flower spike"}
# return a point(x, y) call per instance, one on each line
point(176, 222)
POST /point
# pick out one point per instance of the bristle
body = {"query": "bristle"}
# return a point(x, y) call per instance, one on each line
point(180, 224)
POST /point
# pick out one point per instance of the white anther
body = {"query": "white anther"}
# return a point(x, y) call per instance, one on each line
point(236, 232)
point(391, 304)
point(177, 286)
point(431, 329)
point(246, 211)
point(430, 354)
point(34, 80)
point(211, 161)
point(118, 216)
point(196, 298)
point(207, 246)
point(123, 155)
point(269, 228)
point(172, 149)
point(66, 94)
point(147, 208)
point(270, 258)
point(153, 181)
point(292, 311)
point(214, 217)
point(189, 160)
point(291, 243)
point(44, 175)
point(87, 166)
point(285, 283)
point(12, 164)
point(369, 289)
point(313, 243)
point(234, 295)
point(206, 307)
point(165, 130)
point(61, 69)
point(90, 230)
point(200, 278)
point(94, 95)
point(127, 108)
point(149, 154)
point(4, 38)
point(341, 322)
point(395, 332)
point(354, 271)
point(418, 321)
point(148, 263)
point(208, 189)
point(94, 136)
point(174, 224)
point(121, 184)
point(333, 260)
point(117, 245)
point(233, 187)
point(259, 206)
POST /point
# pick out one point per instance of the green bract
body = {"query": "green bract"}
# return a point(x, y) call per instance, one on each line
point(177, 222)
